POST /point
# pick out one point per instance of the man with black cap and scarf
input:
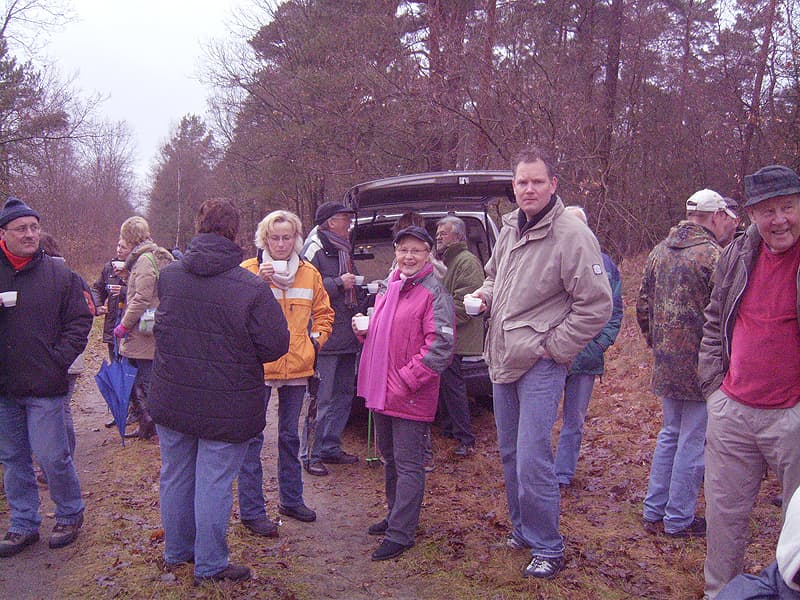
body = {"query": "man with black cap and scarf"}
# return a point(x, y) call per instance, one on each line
point(330, 251)
point(749, 368)
point(44, 326)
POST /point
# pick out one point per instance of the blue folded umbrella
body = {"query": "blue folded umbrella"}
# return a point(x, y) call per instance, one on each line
point(115, 382)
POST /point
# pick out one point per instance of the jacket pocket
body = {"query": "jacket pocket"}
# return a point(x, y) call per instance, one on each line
point(524, 342)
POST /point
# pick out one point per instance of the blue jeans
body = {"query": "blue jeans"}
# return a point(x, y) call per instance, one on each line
point(677, 468)
point(525, 412)
point(577, 391)
point(337, 374)
point(401, 442)
point(32, 425)
point(290, 473)
point(196, 498)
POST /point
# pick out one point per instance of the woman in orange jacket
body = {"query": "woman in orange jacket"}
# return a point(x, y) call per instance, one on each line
point(297, 285)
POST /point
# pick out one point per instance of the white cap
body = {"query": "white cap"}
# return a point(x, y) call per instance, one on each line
point(788, 552)
point(708, 201)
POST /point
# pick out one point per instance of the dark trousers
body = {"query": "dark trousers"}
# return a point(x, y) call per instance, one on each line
point(454, 404)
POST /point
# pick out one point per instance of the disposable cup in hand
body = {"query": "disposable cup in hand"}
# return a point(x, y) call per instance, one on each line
point(10, 299)
point(472, 304)
point(118, 264)
point(281, 267)
point(362, 322)
point(372, 287)
point(360, 280)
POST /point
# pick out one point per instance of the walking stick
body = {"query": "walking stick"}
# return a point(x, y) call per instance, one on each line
point(372, 442)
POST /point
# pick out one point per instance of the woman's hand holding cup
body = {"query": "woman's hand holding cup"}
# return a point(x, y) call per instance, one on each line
point(360, 324)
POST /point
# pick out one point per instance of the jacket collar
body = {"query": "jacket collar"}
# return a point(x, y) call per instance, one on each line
point(452, 251)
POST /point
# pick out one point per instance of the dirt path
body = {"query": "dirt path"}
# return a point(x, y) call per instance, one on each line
point(35, 573)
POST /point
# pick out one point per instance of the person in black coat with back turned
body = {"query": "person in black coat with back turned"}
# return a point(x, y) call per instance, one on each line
point(216, 325)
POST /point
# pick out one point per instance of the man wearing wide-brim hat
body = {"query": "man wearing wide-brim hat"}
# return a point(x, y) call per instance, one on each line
point(749, 368)
point(43, 331)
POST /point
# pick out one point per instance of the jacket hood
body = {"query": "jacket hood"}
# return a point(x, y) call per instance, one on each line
point(687, 234)
point(210, 254)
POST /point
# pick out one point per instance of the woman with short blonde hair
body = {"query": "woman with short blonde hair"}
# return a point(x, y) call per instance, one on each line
point(134, 231)
point(268, 223)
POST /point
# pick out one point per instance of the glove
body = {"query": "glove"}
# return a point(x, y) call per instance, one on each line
point(120, 331)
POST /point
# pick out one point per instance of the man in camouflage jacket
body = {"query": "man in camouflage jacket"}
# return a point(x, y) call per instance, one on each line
point(675, 289)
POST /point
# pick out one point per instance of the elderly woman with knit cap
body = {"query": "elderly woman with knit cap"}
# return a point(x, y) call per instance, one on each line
point(298, 287)
point(143, 264)
point(407, 344)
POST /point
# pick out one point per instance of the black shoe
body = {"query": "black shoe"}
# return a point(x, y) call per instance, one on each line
point(378, 528)
point(231, 573)
point(14, 543)
point(261, 526)
point(544, 568)
point(695, 529)
point(343, 458)
point(315, 467)
point(109, 424)
point(65, 533)
point(300, 512)
point(464, 450)
point(389, 550)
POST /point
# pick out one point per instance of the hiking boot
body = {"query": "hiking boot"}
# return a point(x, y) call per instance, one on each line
point(14, 543)
point(145, 431)
point(316, 468)
point(171, 567)
point(65, 533)
point(343, 458)
point(261, 526)
point(544, 568)
point(231, 573)
point(464, 450)
point(695, 529)
point(389, 550)
point(300, 512)
point(378, 528)
point(653, 527)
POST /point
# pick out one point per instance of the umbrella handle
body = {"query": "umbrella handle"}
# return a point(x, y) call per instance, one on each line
point(372, 440)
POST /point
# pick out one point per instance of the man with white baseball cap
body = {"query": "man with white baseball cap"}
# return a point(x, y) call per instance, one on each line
point(723, 221)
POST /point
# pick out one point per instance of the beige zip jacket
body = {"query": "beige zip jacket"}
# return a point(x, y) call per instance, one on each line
point(545, 290)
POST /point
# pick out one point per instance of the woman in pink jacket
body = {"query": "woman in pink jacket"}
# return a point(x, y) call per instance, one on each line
point(407, 343)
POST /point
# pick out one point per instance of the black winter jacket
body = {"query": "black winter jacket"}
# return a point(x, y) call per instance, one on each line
point(45, 331)
point(215, 326)
point(100, 294)
point(321, 253)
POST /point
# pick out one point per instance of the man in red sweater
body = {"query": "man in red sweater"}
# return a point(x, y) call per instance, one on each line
point(749, 368)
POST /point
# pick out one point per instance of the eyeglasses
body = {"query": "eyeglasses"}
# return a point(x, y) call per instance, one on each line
point(33, 228)
point(404, 251)
point(275, 239)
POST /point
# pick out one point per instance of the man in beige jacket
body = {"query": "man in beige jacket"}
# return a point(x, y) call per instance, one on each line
point(549, 296)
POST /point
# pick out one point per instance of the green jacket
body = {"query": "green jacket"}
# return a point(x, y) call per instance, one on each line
point(464, 276)
point(675, 290)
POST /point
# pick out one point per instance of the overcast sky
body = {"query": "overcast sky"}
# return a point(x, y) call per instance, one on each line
point(145, 57)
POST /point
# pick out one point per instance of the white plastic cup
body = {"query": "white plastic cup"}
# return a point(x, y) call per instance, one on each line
point(360, 279)
point(362, 322)
point(118, 264)
point(372, 287)
point(370, 310)
point(9, 299)
point(281, 267)
point(472, 304)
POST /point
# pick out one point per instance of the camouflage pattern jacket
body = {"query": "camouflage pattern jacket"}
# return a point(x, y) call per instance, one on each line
point(676, 288)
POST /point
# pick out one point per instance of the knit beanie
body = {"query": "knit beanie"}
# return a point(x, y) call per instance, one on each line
point(788, 552)
point(14, 209)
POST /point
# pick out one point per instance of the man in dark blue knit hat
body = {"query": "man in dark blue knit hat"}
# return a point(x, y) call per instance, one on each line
point(44, 325)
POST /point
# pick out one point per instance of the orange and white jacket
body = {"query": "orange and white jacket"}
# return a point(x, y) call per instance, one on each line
point(308, 312)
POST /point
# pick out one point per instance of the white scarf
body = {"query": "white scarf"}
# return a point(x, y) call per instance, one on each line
point(283, 280)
